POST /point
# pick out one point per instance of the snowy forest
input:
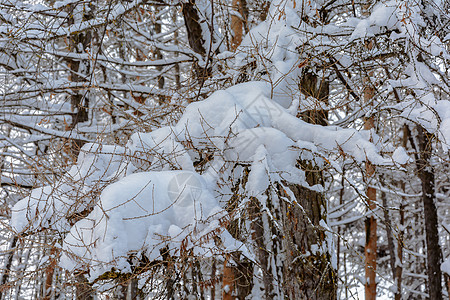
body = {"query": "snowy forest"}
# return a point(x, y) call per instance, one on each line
point(225, 149)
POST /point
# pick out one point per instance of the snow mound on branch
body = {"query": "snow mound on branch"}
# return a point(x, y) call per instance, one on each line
point(243, 117)
point(401, 157)
point(143, 213)
point(430, 112)
point(50, 206)
point(383, 16)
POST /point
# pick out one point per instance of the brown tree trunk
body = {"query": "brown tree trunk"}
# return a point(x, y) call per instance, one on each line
point(79, 43)
point(169, 271)
point(388, 226)
point(228, 280)
point(79, 98)
point(49, 274)
point(176, 43)
point(308, 273)
point(243, 274)
point(426, 175)
point(236, 24)
point(370, 249)
point(262, 253)
point(83, 289)
point(238, 278)
point(341, 202)
point(194, 30)
point(312, 86)
point(158, 55)
point(195, 37)
point(399, 268)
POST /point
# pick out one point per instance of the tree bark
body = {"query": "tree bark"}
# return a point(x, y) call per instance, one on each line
point(308, 273)
point(158, 55)
point(194, 30)
point(426, 175)
point(257, 227)
point(370, 249)
point(79, 98)
point(83, 289)
point(398, 267)
point(312, 86)
point(237, 24)
point(195, 37)
point(134, 288)
point(7, 268)
point(176, 43)
point(228, 280)
point(49, 274)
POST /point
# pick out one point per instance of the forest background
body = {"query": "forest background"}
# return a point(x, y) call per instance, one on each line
point(222, 149)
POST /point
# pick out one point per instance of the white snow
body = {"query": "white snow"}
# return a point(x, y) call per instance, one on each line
point(150, 194)
point(445, 266)
point(144, 211)
point(139, 214)
point(400, 156)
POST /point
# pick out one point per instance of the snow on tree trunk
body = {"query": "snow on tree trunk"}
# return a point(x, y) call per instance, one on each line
point(308, 271)
point(370, 249)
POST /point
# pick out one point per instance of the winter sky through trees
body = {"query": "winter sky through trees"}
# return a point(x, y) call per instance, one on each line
point(224, 149)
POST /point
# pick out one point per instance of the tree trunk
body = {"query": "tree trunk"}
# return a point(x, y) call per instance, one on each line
point(194, 30)
point(134, 288)
point(370, 249)
point(312, 86)
point(243, 276)
point(79, 43)
point(7, 269)
point(398, 267)
point(228, 280)
point(236, 24)
point(49, 274)
point(79, 98)
point(158, 55)
point(257, 227)
point(83, 289)
point(426, 175)
point(308, 273)
point(195, 37)
point(176, 43)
